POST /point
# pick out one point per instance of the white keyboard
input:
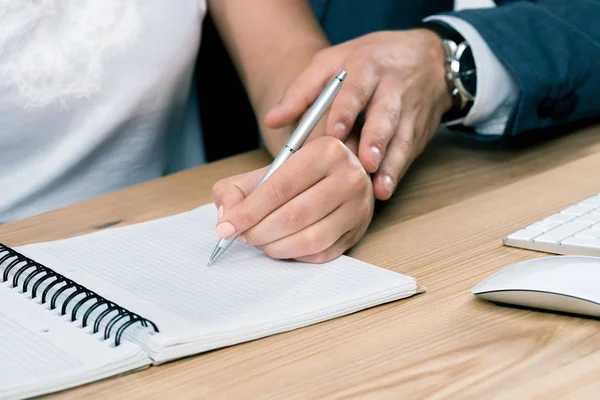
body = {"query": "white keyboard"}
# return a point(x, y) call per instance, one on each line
point(573, 231)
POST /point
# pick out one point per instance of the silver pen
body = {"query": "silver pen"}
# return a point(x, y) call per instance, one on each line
point(303, 130)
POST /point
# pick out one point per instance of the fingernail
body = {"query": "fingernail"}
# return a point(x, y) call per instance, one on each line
point(225, 230)
point(339, 130)
point(375, 156)
point(388, 183)
point(241, 239)
point(220, 211)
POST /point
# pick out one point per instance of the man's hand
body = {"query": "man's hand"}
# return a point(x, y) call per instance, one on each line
point(316, 206)
point(397, 78)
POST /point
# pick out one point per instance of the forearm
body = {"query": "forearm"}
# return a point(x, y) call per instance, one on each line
point(270, 43)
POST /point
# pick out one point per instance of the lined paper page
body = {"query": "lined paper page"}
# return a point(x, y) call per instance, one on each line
point(40, 351)
point(158, 269)
point(26, 355)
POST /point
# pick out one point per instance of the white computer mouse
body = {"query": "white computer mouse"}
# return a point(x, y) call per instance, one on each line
point(558, 283)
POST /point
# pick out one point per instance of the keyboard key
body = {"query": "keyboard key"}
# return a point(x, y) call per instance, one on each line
point(562, 232)
point(558, 217)
point(594, 218)
point(577, 210)
point(581, 242)
point(573, 230)
point(543, 226)
point(524, 234)
point(590, 233)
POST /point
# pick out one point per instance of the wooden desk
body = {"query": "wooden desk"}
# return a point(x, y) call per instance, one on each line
point(444, 227)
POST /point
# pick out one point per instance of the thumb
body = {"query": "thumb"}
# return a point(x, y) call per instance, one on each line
point(228, 193)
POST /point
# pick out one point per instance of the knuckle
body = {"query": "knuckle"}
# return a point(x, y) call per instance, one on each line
point(351, 239)
point(346, 115)
point(295, 218)
point(244, 218)
point(360, 91)
point(326, 255)
point(322, 257)
point(333, 148)
point(219, 188)
point(272, 252)
point(352, 167)
point(405, 144)
point(357, 176)
point(389, 112)
point(413, 93)
point(312, 242)
point(297, 90)
point(319, 258)
point(278, 192)
point(364, 208)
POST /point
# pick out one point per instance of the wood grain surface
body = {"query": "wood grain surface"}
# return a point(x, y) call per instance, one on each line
point(444, 227)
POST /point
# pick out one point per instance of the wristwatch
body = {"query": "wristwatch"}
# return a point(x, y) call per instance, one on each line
point(461, 73)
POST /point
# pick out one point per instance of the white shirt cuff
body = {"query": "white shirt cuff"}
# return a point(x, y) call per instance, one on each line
point(497, 90)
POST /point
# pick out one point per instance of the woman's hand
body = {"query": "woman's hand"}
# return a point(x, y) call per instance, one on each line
point(316, 206)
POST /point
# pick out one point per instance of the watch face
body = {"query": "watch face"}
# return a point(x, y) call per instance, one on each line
point(467, 72)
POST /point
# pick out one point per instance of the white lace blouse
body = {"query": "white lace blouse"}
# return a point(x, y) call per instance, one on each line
point(91, 94)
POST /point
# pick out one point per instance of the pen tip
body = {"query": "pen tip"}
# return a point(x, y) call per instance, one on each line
point(342, 75)
point(216, 254)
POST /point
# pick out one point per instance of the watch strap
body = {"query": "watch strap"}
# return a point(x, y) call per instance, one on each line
point(451, 39)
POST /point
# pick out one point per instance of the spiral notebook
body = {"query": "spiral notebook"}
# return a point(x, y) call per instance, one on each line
point(82, 309)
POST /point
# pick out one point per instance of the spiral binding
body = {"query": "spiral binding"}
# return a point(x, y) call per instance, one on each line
point(35, 274)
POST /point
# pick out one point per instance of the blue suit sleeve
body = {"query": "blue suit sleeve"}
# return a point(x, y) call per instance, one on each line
point(552, 49)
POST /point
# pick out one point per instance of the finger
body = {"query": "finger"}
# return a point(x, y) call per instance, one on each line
point(300, 94)
point(300, 172)
point(353, 139)
point(352, 98)
point(381, 124)
point(315, 238)
point(228, 192)
point(299, 213)
point(397, 159)
point(432, 125)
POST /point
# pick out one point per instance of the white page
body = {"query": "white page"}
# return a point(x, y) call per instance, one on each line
point(41, 352)
point(158, 270)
